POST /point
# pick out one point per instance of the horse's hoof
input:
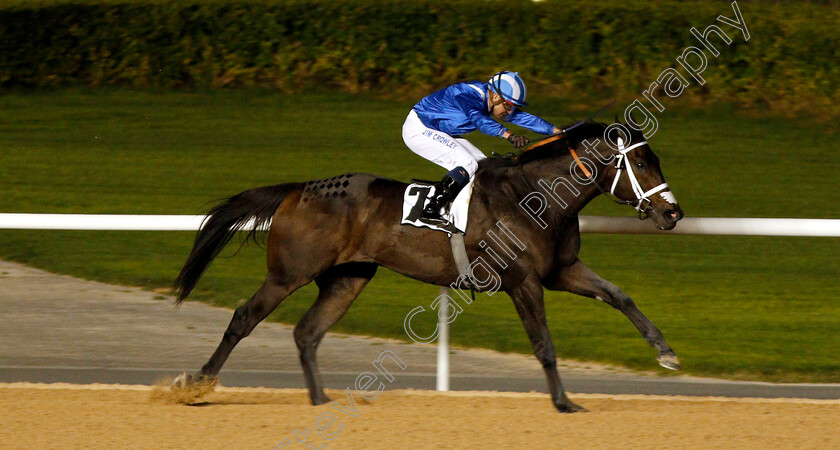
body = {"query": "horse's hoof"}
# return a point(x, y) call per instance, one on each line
point(669, 361)
point(320, 400)
point(180, 382)
point(184, 381)
point(208, 380)
point(570, 407)
point(185, 389)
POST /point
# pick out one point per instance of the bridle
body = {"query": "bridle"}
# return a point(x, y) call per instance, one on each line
point(622, 165)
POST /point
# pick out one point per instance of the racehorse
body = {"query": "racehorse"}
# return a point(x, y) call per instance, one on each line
point(337, 232)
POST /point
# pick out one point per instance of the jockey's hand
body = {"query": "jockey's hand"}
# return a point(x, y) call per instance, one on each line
point(517, 141)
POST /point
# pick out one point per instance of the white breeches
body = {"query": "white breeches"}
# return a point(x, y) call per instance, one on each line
point(439, 147)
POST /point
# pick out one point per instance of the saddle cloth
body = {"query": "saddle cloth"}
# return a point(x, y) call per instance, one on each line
point(417, 195)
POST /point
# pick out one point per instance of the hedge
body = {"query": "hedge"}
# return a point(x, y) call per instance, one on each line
point(407, 48)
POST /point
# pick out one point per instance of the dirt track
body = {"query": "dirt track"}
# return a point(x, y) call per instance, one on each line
point(109, 416)
point(71, 323)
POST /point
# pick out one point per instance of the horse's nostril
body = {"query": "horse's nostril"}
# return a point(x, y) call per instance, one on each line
point(674, 215)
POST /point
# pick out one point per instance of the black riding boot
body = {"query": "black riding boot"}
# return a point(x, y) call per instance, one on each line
point(445, 192)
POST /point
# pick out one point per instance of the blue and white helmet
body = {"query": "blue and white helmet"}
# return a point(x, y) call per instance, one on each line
point(510, 86)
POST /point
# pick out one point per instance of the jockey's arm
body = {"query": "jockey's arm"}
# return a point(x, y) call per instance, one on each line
point(532, 122)
point(472, 107)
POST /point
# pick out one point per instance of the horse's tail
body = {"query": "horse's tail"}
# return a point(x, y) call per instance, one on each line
point(250, 209)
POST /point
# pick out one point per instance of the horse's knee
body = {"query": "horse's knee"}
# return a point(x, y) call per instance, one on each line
point(616, 298)
point(548, 362)
point(625, 302)
point(546, 356)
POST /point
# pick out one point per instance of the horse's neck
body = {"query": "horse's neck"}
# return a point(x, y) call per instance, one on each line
point(565, 193)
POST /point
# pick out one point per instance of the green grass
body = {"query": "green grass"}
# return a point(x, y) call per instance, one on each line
point(738, 307)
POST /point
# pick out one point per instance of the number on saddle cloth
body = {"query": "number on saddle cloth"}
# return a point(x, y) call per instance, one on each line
point(417, 195)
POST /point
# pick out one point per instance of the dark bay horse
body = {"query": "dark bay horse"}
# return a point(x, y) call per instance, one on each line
point(337, 232)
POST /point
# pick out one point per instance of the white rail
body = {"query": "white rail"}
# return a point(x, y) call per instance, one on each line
point(716, 226)
point(588, 224)
point(100, 222)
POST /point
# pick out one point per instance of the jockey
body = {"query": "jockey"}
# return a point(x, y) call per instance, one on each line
point(434, 127)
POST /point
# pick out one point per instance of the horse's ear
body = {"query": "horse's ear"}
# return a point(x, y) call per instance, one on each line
point(616, 119)
point(633, 119)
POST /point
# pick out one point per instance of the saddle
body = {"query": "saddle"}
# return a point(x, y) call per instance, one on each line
point(415, 198)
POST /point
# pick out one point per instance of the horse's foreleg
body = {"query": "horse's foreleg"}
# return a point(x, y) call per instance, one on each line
point(245, 318)
point(580, 279)
point(528, 300)
point(339, 287)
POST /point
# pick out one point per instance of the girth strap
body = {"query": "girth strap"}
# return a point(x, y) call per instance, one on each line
point(462, 261)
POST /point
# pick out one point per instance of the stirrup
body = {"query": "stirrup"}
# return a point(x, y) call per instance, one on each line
point(436, 219)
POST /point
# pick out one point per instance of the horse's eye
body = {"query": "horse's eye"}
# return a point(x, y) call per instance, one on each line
point(640, 165)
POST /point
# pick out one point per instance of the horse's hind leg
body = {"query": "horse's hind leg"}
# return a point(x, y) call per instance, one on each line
point(580, 279)
point(246, 317)
point(339, 286)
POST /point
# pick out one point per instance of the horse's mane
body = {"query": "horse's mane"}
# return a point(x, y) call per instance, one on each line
point(585, 130)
